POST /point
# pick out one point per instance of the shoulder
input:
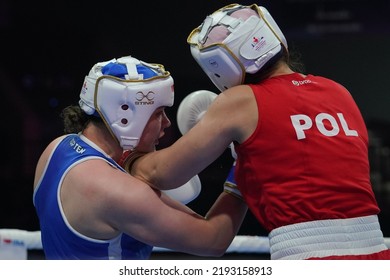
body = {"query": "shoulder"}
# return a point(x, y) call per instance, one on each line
point(236, 97)
point(42, 161)
point(238, 108)
point(54, 143)
point(328, 82)
point(49, 149)
point(239, 92)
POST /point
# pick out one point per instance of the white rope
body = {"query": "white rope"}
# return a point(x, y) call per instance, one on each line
point(20, 238)
point(240, 244)
point(15, 243)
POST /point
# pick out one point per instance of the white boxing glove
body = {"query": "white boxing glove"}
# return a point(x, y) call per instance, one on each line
point(187, 192)
point(192, 109)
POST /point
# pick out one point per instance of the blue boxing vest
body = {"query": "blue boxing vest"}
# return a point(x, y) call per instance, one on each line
point(59, 239)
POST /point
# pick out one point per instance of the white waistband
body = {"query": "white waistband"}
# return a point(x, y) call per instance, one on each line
point(338, 237)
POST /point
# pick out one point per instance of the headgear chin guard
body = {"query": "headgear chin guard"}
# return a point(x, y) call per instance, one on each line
point(235, 40)
point(125, 92)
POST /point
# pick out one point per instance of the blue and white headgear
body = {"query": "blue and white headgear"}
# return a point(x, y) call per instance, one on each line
point(235, 40)
point(125, 92)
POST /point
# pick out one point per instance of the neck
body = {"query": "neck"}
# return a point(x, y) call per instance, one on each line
point(282, 69)
point(103, 138)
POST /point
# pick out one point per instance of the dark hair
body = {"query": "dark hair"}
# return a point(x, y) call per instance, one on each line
point(291, 58)
point(75, 119)
point(294, 60)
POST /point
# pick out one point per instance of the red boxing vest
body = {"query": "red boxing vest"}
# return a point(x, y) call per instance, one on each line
point(308, 157)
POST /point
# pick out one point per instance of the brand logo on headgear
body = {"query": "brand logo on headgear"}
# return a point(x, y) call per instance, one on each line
point(213, 63)
point(144, 99)
point(84, 88)
point(258, 43)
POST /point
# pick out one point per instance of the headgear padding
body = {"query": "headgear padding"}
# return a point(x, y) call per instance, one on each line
point(235, 40)
point(125, 92)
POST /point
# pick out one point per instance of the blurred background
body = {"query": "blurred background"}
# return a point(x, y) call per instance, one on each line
point(47, 47)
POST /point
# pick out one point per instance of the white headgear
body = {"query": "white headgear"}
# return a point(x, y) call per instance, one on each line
point(235, 40)
point(125, 92)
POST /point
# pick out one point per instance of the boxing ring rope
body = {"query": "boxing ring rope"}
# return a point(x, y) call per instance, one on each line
point(15, 243)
